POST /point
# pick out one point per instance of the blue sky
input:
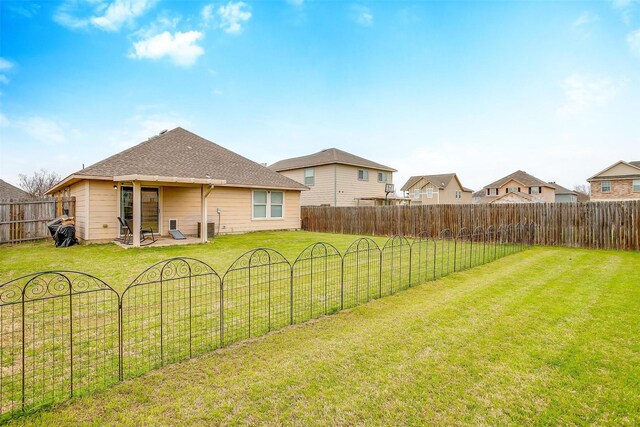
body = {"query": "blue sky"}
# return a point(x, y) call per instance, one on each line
point(477, 88)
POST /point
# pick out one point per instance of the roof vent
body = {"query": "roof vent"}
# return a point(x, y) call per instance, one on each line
point(163, 131)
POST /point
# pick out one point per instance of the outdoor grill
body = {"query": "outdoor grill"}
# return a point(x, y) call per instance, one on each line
point(63, 231)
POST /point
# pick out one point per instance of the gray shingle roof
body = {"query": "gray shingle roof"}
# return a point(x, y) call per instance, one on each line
point(522, 177)
point(182, 154)
point(635, 163)
point(562, 190)
point(8, 191)
point(327, 157)
point(441, 180)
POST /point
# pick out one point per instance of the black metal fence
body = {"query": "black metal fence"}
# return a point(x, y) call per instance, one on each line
point(65, 333)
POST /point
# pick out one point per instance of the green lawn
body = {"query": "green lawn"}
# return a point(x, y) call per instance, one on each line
point(118, 266)
point(548, 336)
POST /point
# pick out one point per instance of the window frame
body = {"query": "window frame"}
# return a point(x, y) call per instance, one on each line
point(492, 191)
point(386, 177)
point(416, 193)
point(602, 185)
point(429, 193)
point(312, 181)
point(268, 206)
point(458, 194)
point(635, 185)
point(365, 175)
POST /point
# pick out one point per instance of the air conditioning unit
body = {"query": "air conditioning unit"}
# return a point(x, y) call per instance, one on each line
point(173, 224)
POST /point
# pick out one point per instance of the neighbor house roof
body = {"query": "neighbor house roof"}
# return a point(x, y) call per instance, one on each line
point(182, 156)
point(522, 177)
point(327, 157)
point(562, 190)
point(8, 191)
point(440, 180)
point(599, 175)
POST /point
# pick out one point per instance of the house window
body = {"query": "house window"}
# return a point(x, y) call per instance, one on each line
point(268, 204)
point(309, 176)
point(458, 194)
point(636, 185)
point(416, 193)
point(513, 189)
point(492, 191)
point(605, 186)
point(429, 192)
point(382, 177)
point(534, 190)
point(363, 175)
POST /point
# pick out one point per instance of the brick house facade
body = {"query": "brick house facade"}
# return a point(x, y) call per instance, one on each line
point(620, 181)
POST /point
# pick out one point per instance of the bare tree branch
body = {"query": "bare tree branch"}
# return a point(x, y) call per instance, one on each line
point(39, 182)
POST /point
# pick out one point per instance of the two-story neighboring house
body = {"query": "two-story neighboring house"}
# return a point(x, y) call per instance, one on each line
point(338, 178)
point(518, 187)
point(436, 189)
point(564, 195)
point(620, 181)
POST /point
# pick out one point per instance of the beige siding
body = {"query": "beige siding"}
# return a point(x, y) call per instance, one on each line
point(103, 210)
point(322, 190)
point(183, 205)
point(619, 170)
point(236, 206)
point(548, 194)
point(350, 187)
point(339, 184)
point(446, 195)
point(79, 191)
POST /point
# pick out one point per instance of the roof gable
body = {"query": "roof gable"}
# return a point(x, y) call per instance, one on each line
point(326, 157)
point(441, 181)
point(620, 168)
point(522, 177)
point(182, 154)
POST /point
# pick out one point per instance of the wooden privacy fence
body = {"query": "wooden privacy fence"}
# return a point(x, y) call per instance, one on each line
point(607, 225)
point(23, 220)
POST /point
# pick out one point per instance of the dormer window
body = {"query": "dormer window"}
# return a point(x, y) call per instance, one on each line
point(535, 190)
point(513, 189)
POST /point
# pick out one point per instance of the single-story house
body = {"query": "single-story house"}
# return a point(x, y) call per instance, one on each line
point(620, 181)
point(436, 189)
point(177, 180)
point(337, 178)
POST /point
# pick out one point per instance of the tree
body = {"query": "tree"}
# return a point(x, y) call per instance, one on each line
point(39, 182)
point(583, 192)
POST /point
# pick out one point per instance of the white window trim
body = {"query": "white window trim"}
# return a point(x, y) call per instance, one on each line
point(386, 177)
point(633, 184)
point(458, 194)
point(365, 174)
point(268, 206)
point(601, 187)
point(416, 193)
point(429, 192)
point(313, 176)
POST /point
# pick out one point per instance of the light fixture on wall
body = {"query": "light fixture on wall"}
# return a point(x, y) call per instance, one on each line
point(115, 186)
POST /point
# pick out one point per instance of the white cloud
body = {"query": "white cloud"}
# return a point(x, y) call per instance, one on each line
point(5, 64)
point(180, 47)
point(633, 39)
point(583, 93)
point(42, 129)
point(108, 16)
point(232, 16)
point(582, 23)
point(146, 122)
point(207, 13)
point(362, 15)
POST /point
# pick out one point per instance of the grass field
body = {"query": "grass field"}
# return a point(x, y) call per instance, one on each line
point(118, 266)
point(548, 336)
